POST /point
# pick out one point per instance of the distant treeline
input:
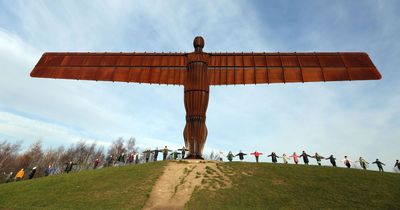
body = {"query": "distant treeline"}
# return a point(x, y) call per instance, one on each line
point(83, 154)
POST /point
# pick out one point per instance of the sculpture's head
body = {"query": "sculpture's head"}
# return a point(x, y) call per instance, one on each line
point(198, 44)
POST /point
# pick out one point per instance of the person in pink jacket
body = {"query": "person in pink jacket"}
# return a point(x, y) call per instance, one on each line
point(347, 162)
point(256, 154)
point(295, 157)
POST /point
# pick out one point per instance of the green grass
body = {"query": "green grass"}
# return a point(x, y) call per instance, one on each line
point(125, 187)
point(254, 186)
point(279, 186)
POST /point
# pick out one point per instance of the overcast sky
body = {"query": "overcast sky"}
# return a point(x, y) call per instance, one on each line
point(340, 118)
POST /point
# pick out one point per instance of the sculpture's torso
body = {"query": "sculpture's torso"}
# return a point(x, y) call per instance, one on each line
point(196, 101)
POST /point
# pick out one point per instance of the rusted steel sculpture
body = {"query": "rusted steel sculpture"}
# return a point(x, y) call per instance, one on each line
point(197, 70)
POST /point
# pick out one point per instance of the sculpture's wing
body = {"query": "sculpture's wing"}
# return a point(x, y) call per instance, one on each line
point(254, 68)
point(153, 68)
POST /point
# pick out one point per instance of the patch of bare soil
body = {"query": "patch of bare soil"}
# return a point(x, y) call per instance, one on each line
point(180, 178)
point(278, 181)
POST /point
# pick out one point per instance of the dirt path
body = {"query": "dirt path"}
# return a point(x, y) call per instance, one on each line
point(180, 178)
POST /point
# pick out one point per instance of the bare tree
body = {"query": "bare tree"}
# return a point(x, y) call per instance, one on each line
point(52, 157)
point(131, 145)
point(8, 154)
point(31, 157)
point(117, 147)
point(81, 153)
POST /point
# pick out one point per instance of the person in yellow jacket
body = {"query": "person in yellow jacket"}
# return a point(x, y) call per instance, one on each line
point(20, 175)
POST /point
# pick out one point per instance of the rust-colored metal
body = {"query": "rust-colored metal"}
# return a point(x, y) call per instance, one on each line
point(198, 70)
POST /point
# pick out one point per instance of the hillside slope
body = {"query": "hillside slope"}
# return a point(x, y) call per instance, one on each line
point(280, 186)
point(126, 187)
point(240, 186)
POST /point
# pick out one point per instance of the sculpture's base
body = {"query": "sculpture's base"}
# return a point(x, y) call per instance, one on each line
point(198, 157)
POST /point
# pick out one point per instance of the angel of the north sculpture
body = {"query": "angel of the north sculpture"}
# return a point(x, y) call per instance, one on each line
point(197, 70)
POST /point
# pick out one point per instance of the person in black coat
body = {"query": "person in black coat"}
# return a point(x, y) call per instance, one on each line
point(332, 160)
point(241, 155)
point(273, 157)
point(121, 159)
point(32, 173)
point(183, 151)
point(155, 156)
point(137, 158)
point(379, 164)
point(397, 164)
point(305, 157)
point(69, 166)
point(110, 160)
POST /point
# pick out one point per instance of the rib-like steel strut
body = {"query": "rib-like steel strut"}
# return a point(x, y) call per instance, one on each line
point(197, 70)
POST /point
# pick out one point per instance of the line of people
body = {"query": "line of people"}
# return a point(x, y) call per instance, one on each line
point(121, 159)
point(346, 161)
point(167, 154)
point(139, 157)
point(153, 154)
point(20, 175)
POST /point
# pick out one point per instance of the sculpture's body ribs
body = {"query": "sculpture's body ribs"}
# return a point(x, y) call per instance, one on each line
point(198, 70)
point(196, 102)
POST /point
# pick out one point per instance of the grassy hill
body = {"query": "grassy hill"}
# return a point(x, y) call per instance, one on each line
point(125, 187)
point(254, 186)
point(280, 186)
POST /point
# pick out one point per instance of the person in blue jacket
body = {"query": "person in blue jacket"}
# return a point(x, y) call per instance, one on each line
point(379, 164)
point(332, 160)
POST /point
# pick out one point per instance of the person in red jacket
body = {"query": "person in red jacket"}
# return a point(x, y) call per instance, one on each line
point(96, 163)
point(256, 154)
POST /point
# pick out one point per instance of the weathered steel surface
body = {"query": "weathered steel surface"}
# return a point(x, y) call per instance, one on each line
point(153, 68)
point(196, 100)
point(198, 70)
point(256, 68)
